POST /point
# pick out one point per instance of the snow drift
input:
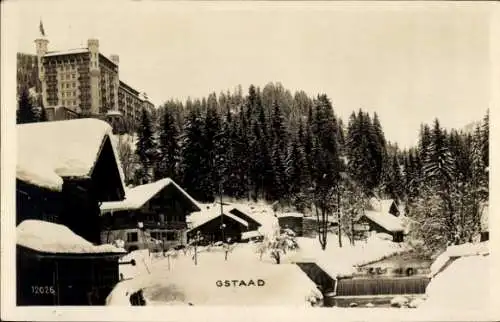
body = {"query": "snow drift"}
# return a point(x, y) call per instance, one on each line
point(463, 285)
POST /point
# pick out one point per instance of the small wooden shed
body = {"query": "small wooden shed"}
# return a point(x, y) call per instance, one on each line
point(57, 267)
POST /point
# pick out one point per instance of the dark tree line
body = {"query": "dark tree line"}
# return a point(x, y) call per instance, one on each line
point(272, 145)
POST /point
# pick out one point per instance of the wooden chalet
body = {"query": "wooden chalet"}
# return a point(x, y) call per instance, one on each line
point(65, 169)
point(293, 221)
point(387, 206)
point(383, 223)
point(58, 267)
point(214, 226)
point(152, 215)
point(241, 213)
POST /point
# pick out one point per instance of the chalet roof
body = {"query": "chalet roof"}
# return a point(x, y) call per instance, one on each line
point(250, 234)
point(381, 205)
point(262, 215)
point(289, 214)
point(244, 215)
point(137, 196)
point(385, 220)
point(47, 237)
point(200, 218)
point(49, 151)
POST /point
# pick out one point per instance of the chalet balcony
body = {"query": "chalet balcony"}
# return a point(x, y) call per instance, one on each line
point(174, 225)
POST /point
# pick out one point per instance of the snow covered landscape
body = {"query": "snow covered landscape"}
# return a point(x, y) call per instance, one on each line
point(344, 194)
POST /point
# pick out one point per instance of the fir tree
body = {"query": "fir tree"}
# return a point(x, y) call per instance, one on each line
point(378, 149)
point(298, 172)
point(26, 112)
point(212, 167)
point(438, 165)
point(145, 146)
point(192, 152)
point(169, 147)
point(326, 160)
point(43, 114)
point(279, 187)
point(485, 134)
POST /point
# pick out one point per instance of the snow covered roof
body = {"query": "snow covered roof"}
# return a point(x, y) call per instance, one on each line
point(200, 218)
point(289, 214)
point(455, 251)
point(263, 214)
point(137, 196)
point(381, 205)
point(67, 52)
point(48, 151)
point(385, 220)
point(114, 112)
point(475, 292)
point(341, 261)
point(47, 237)
point(250, 234)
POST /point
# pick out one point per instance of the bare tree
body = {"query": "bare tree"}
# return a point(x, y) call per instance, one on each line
point(127, 156)
point(352, 203)
point(323, 205)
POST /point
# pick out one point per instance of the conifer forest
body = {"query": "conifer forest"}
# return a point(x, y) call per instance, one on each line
point(293, 150)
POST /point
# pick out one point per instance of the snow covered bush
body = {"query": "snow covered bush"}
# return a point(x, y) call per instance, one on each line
point(439, 220)
point(279, 245)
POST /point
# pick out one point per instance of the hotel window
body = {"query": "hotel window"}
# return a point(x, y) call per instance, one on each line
point(170, 235)
point(74, 93)
point(74, 85)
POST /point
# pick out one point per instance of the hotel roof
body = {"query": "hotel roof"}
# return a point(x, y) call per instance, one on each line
point(67, 52)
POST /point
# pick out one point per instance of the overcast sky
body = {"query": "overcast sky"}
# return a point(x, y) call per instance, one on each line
point(409, 64)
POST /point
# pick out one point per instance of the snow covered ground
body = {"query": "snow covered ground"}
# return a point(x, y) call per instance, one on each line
point(178, 280)
point(461, 279)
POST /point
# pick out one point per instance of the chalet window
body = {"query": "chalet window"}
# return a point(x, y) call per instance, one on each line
point(132, 237)
point(170, 235)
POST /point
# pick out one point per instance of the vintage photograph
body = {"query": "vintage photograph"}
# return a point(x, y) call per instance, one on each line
point(331, 155)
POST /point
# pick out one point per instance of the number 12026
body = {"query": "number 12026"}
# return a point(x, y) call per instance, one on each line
point(43, 290)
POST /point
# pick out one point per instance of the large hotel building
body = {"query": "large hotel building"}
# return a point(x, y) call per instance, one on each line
point(84, 82)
